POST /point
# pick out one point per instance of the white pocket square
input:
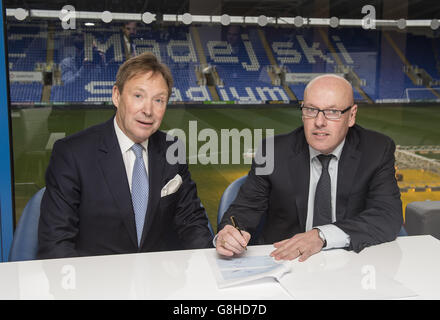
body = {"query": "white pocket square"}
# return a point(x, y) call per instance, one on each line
point(172, 186)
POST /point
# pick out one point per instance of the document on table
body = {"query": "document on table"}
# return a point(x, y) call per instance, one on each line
point(332, 274)
point(342, 275)
point(238, 270)
point(335, 285)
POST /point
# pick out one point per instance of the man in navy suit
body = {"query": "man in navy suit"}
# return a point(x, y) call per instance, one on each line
point(87, 208)
point(351, 200)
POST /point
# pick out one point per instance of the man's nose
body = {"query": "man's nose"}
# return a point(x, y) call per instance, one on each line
point(148, 107)
point(320, 120)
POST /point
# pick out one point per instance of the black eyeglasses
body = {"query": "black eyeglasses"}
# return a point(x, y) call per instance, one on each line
point(329, 114)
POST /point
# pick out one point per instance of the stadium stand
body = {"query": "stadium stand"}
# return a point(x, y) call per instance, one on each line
point(242, 66)
point(259, 65)
point(296, 55)
point(27, 46)
point(425, 65)
point(26, 92)
point(360, 50)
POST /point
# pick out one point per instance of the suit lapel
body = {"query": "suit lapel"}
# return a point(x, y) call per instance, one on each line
point(156, 162)
point(299, 167)
point(113, 169)
point(347, 168)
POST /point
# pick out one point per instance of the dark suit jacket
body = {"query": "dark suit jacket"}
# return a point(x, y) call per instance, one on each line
point(368, 206)
point(87, 207)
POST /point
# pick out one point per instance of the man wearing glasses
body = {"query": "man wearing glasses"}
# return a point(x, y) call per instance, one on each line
point(333, 184)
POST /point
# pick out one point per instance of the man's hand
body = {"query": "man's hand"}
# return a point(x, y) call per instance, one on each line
point(230, 241)
point(302, 245)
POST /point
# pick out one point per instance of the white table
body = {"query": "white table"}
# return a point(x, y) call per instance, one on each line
point(413, 261)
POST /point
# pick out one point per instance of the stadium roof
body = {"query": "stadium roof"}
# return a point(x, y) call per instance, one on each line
point(417, 9)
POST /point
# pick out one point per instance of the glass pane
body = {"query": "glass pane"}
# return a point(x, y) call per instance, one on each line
point(240, 76)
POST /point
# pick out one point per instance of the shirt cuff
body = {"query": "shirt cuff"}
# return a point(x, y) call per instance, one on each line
point(335, 237)
point(214, 241)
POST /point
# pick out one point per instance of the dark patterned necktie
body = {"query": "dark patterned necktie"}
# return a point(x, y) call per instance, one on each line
point(322, 212)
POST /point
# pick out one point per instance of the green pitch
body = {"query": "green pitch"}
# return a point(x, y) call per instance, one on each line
point(35, 130)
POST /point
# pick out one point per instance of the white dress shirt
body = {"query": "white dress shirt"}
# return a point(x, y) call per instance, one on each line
point(335, 237)
point(128, 155)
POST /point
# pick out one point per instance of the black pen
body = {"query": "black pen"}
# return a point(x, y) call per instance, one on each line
point(236, 226)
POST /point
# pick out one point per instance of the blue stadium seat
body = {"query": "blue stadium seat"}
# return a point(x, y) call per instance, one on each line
point(226, 200)
point(26, 92)
point(26, 46)
point(228, 197)
point(25, 243)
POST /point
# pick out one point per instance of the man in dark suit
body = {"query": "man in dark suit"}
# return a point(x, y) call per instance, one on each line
point(110, 188)
point(129, 31)
point(333, 184)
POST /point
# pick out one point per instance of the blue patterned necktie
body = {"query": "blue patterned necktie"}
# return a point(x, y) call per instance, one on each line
point(139, 190)
point(322, 211)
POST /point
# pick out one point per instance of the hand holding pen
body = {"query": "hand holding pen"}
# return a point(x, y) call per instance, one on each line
point(232, 240)
point(236, 226)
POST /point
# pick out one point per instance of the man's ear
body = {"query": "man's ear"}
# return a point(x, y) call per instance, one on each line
point(353, 112)
point(115, 96)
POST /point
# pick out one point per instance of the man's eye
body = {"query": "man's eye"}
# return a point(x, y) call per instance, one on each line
point(331, 111)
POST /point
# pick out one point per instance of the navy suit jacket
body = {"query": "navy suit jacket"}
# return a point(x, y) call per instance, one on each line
point(368, 205)
point(87, 207)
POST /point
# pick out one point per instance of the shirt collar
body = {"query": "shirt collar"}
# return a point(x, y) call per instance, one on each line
point(336, 152)
point(125, 143)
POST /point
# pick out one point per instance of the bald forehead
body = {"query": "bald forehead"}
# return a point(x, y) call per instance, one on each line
point(330, 82)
